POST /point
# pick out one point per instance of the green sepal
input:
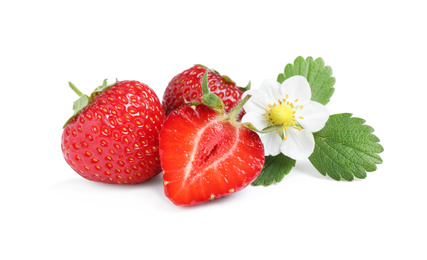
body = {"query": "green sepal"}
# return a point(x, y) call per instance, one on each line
point(194, 103)
point(84, 100)
point(200, 65)
point(281, 133)
point(209, 99)
point(274, 170)
point(80, 103)
point(205, 89)
point(213, 101)
point(101, 89)
point(267, 129)
point(227, 78)
point(203, 66)
point(248, 87)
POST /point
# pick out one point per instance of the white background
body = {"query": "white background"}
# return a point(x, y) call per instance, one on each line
point(377, 50)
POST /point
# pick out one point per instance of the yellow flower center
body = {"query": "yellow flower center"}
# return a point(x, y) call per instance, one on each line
point(281, 114)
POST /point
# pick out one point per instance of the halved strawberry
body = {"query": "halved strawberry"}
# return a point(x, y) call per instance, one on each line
point(206, 154)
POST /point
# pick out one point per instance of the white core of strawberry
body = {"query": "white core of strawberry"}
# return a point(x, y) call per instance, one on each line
point(222, 158)
point(197, 140)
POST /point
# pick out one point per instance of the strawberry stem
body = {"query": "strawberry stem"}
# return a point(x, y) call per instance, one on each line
point(75, 89)
point(239, 106)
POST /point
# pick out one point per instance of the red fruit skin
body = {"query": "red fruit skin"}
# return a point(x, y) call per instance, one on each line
point(203, 157)
point(188, 86)
point(115, 138)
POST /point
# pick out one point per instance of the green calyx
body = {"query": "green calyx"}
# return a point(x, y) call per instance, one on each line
point(226, 78)
point(210, 99)
point(214, 102)
point(84, 100)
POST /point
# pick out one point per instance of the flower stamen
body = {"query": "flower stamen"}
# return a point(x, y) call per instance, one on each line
point(280, 114)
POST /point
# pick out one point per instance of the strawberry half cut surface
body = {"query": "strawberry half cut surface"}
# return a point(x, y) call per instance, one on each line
point(204, 156)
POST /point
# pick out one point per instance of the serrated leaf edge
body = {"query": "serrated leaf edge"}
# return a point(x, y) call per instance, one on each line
point(374, 160)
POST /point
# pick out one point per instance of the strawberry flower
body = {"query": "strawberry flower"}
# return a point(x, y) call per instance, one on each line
point(289, 106)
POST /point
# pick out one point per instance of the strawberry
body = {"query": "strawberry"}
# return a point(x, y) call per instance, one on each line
point(113, 135)
point(186, 86)
point(207, 154)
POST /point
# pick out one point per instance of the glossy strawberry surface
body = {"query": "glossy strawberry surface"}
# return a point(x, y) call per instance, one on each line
point(115, 138)
point(186, 86)
point(204, 157)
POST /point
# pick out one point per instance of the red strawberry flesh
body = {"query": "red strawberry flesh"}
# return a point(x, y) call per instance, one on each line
point(204, 157)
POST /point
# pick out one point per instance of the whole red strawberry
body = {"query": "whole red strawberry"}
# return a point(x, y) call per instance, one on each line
point(113, 135)
point(206, 154)
point(186, 86)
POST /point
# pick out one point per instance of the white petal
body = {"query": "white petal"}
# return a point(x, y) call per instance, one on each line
point(256, 119)
point(271, 88)
point(299, 144)
point(297, 87)
point(272, 142)
point(314, 116)
point(257, 103)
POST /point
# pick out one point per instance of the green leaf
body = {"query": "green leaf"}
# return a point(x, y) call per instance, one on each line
point(346, 148)
point(317, 74)
point(275, 169)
